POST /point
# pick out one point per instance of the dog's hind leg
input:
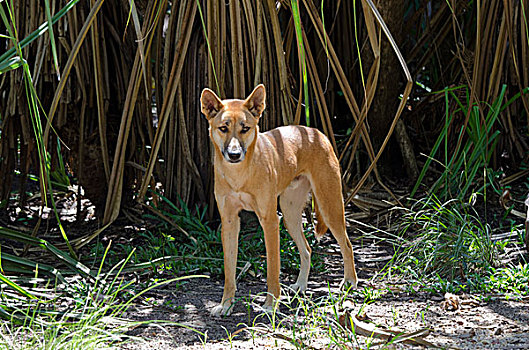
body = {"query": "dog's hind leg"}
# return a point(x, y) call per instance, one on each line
point(292, 202)
point(327, 189)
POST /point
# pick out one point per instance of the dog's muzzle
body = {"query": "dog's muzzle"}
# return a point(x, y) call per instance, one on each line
point(234, 152)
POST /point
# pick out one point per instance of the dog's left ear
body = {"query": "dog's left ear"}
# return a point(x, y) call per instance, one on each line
point(256, 101)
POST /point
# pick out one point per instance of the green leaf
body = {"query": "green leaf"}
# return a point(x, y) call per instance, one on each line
point(17, 264)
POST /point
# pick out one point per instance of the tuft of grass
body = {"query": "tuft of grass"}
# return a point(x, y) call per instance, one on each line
point(448, 247)
point(447, 239)
point(476, 142)
point(76, 313)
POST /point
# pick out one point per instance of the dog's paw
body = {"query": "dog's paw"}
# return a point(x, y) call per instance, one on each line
point(223, 309)
point(267, 309)
point(270, 306)
point(349, 283)
point(298, 287)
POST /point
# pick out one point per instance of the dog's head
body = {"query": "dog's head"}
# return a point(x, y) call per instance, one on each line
point(233, 123)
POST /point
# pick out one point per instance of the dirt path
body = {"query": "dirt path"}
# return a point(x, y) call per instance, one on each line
point(495, 324)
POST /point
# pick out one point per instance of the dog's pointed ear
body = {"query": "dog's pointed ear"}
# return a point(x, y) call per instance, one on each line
point(256, 101)
point(211, 103)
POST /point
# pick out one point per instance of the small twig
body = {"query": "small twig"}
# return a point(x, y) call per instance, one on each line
point(243, 271)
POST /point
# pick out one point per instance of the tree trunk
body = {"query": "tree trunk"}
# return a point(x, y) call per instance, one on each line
point(390, 85)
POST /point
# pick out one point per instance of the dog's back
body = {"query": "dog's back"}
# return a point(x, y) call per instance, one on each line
point(299, 150)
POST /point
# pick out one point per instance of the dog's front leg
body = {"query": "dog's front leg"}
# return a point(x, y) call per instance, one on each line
point(270, 223)
point(230, 237)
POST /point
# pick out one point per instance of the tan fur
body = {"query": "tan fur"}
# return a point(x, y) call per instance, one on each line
point(321, 228)
point(252, 169)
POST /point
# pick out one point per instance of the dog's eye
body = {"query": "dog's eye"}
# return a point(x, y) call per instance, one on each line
point(223, 129)
point(245, 129)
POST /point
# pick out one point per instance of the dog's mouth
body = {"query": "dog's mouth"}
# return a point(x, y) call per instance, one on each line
point(234, 156)
point(234, 152)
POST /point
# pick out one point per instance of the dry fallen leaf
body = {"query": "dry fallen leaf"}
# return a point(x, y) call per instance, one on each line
point(437, 297)
point(505, 199)
point(362, 317)
point(451, 302)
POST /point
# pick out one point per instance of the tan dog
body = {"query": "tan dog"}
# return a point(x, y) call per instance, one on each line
point(252, 169)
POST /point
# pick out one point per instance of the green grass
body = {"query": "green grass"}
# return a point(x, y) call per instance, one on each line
point(14, 59)
point(76, 313)
point(447, 239)
point(81, 308)
point(465, 168)
point(509, 283)
point(445, 245)
point(512, 281)
point(448, 247)
point(85, 329)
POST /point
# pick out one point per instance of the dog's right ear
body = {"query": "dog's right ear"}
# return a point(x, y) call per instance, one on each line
point(211, 103)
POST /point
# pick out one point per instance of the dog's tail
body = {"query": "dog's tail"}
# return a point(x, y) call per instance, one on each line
point(321, 228)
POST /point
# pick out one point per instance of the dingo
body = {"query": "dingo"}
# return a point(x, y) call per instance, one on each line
point(252, 169)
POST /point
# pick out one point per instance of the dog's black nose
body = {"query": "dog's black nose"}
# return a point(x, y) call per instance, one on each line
point(234, 155)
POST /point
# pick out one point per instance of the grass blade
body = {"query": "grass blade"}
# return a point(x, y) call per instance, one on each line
point(301, 55)
point(11, 64)
point(20, 265)
point(27, 239)
point(16, 287)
